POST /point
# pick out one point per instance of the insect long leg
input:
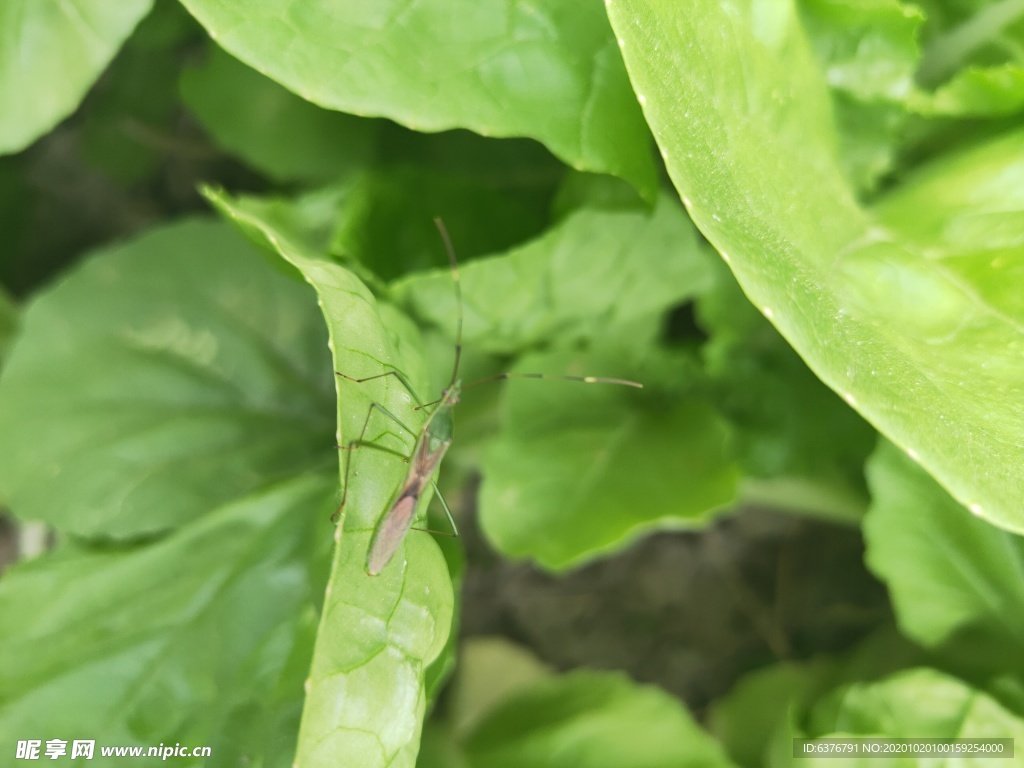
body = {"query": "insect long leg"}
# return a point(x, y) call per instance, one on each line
point(362, 441)
point(397, 374)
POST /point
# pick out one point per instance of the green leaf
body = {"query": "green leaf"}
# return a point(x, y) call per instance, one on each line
point(591, 720)
point(766, 709)
point(593, 190)
point(491, 670)
point(549, 71)
point(271, 128)
point(964, 213)
point(801, 447)
point(366, 696)
point(916, 703)
point(596, 273)
point(951, 576)
point(869, 138)
point(741, 112)
point(162, 377)
point(580, 470)
point(52, 54)
point(976, 92)
point(868, 49)
point(756, 708)
point(199, 638)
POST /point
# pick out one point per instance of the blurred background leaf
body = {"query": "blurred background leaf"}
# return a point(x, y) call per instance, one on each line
point(60, 50)
point(152, 358)
point(201, 638)
point(580, 470)
point(506, 68)
point(595, 274)
point(913, 704)
point(584, 718)
point(956, 582)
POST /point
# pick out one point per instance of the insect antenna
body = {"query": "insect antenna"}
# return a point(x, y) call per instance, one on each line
point(557, 376)
point(457, 283)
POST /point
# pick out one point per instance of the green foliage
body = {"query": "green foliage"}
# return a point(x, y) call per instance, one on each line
point(506, 68)
point(509, 711)
point(956, 581)
point(128, 644)
point(145, 364)
point(561, 283)
point(386, 220)
point(623, 469)
point(892, 706)
point(807, 437)
point(870, 308)
point(759, 707)
point(601, 720)
point(170, 406)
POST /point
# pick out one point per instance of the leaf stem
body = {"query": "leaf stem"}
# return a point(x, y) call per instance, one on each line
point(947, 53)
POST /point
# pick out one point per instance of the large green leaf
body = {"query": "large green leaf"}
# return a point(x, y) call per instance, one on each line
point(951, 576)
point(591, 720)
point(50, 56)
point(596, 273)
point(547, 70)
point(161, 377)
point(201, 638)
point(366, 694)
point(580, 470)
point(740, 109)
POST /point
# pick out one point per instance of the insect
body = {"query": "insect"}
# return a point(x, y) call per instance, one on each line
point(432, 440)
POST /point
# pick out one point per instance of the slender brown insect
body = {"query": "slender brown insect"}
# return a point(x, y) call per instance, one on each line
point(432, 440)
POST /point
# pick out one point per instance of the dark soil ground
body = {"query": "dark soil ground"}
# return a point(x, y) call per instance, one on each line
point(690, 612)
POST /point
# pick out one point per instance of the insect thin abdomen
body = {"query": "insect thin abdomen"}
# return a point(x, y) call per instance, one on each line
point(390, 533)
